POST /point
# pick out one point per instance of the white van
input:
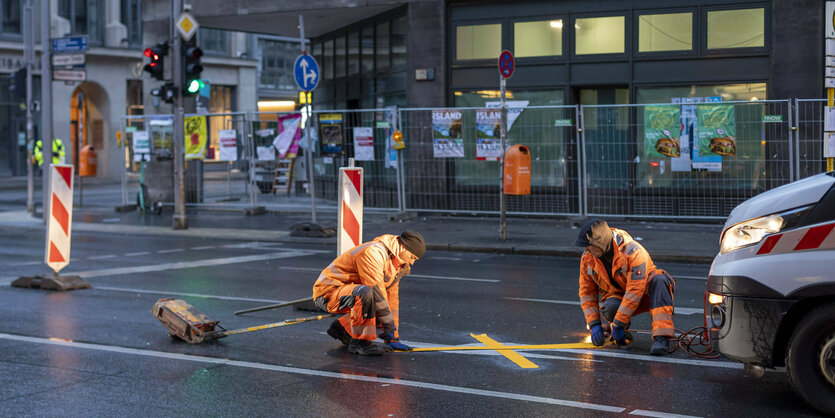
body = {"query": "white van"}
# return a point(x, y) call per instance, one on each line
point(771, 299)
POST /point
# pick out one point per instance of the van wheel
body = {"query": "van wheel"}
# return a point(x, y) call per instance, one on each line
point(810, 359)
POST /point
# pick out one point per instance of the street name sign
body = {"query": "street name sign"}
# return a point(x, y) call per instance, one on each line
point(68, 60)
point(69, 44)
point(69, 75)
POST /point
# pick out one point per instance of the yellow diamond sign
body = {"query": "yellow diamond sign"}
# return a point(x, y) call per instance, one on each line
point(187, 26)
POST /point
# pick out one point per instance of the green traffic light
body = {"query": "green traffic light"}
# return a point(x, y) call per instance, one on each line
point(194, 86)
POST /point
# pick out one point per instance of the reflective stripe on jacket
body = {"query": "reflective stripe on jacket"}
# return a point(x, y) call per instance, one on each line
point(375, 264)
point(631, 265)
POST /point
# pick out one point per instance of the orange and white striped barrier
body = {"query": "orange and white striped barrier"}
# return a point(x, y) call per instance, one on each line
point(350, 209)
point(59, 227)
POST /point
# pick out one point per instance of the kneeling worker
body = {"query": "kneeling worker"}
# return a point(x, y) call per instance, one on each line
point(364, 284)
point(618, 271)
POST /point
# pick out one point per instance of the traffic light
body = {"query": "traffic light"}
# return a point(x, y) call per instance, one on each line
point(167, 92)
point(156, 67)
point(192, 69)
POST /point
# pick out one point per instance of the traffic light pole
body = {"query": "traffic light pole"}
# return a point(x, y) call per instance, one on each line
point(29, 61)
point(179, 218)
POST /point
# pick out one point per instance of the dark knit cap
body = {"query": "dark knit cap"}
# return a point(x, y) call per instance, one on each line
point(413, 242)
point(595, 232)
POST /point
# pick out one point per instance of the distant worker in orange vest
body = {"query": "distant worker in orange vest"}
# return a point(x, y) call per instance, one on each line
point(364, 284)
point(619, 280)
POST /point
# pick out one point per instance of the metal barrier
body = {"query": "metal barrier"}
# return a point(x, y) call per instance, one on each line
point(631, 166)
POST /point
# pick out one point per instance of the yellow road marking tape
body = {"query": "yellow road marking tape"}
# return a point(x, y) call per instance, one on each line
point(510, 347)
point(511, 355)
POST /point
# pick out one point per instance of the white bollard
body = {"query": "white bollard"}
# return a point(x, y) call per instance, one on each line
point(59, 225)
point(349, 216)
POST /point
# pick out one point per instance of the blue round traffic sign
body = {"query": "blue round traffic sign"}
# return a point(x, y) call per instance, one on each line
point(506, 64)
point(306, 72)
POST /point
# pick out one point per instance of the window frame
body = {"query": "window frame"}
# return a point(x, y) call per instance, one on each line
point(614, 56)
point(99, 20)
point(201, 42)
point(12, 35)
point(541, 58)
point(131, 18)
point(694, 38)
point(755, 50)
point(478, 61)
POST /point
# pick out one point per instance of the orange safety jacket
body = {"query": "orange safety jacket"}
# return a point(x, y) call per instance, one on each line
point(631, 266)
point(378, 264)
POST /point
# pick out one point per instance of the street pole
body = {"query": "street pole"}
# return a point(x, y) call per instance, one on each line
point(46, 105)
point(309, 151)
point(29, 62)
point(830, 98)
point(179, 218)
point(503, 131)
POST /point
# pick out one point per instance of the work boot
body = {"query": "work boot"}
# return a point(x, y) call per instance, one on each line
point(364, 348)
point(337, 331)
point(660, 346)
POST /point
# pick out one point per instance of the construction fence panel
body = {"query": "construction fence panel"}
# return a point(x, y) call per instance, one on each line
point(737, 150)
point(469, 182)
point(809, 119)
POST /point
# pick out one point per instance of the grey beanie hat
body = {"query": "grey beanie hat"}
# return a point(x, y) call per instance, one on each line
point(413, 242)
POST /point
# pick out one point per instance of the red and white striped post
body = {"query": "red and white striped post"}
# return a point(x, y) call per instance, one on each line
point(59, 225)
point(349, 218)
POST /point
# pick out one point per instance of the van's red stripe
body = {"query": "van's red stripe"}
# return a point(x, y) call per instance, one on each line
point(769, 244)
point(814, 237)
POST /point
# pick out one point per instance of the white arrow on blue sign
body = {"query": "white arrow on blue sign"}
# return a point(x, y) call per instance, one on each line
point(306, 71)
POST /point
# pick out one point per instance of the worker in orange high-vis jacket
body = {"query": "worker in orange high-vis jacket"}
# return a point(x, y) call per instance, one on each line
point(619, 280)
point(364, 284)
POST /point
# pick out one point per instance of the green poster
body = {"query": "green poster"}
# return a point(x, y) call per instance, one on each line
point(717, 129)
point(662, 130)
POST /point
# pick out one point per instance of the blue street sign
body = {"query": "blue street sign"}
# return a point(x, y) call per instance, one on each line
point(73, 43)
point(306, 71)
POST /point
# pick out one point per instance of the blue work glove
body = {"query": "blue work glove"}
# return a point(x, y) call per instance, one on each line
point(619, 335)
point(392, 344)
point(597, 337)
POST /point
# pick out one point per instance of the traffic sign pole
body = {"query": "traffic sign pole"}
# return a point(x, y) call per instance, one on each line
point(179, 219)
point(303, 85)
point(507, 64)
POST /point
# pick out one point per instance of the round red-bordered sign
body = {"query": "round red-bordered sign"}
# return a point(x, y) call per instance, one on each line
point(507, 64)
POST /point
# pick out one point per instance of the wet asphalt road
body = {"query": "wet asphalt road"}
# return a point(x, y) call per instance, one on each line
point(99, 352)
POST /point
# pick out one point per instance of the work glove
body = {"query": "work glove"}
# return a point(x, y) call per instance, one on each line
point(597, 337)
point(392, 344)
point(619, 335)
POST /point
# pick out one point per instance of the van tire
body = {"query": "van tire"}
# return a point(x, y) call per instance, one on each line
point(803, 366)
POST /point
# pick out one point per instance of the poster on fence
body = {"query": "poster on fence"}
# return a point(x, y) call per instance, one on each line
point(286, 143)
point(330, 133)
point(388, 126)
point(141, 146)
point(662, 131)
point(447, 133)
point(717, 130)
point(364, 144)
point(228, 142)
point(195, 137)
point(514, 109)
point(488, 145)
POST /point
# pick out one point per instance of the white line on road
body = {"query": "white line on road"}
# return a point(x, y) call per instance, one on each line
point(445, 258)
point(101, 257)
point(26, 263)
point(411, 276)
point(678, 310)
point(196, 295)
point(645, 413)
point(137, 254)
point(311, 372)
point(691, 277)
point(173, 250)
point(207, 247)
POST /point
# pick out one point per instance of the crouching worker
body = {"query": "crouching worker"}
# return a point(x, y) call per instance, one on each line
point(619, 280)
point(363, 283)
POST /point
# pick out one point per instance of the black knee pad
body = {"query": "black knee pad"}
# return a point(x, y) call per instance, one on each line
point(366, 296)
point(610, 308)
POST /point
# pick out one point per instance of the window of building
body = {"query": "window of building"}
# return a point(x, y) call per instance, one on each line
point(276, 59)
point(744, 28)
point(665, 32)
point(86, 17)
point(537, 39)
point(353, 52)
point(131, 17)
point(222, 101)
point(600, 35)
point(213, 41)
point(367, 54)
point(382, 46)
point(399, 26)
point(10, 17)
point(339, 57)
point(327, 60)
point(728, 92)
point(478, 42)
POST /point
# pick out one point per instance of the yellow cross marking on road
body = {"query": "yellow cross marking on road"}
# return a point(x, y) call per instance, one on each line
point(511, 355)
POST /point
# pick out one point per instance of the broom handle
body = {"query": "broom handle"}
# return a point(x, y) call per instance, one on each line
point(278, 305)
point(276, 324)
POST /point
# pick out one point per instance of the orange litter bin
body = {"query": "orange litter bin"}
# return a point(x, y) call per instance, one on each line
point(87, 162)
point(517, 170)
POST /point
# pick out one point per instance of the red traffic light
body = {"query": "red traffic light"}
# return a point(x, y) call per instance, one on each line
point(148, 52)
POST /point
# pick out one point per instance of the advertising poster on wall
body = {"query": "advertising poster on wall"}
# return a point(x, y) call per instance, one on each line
point(488, 145)
point(364, 144)
point(286, 142)
point(662, 131)
point(141, 146)
point(228, 141)
point(330, 133)
point(195, 137)
point(717, 130)
point(447, 133)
